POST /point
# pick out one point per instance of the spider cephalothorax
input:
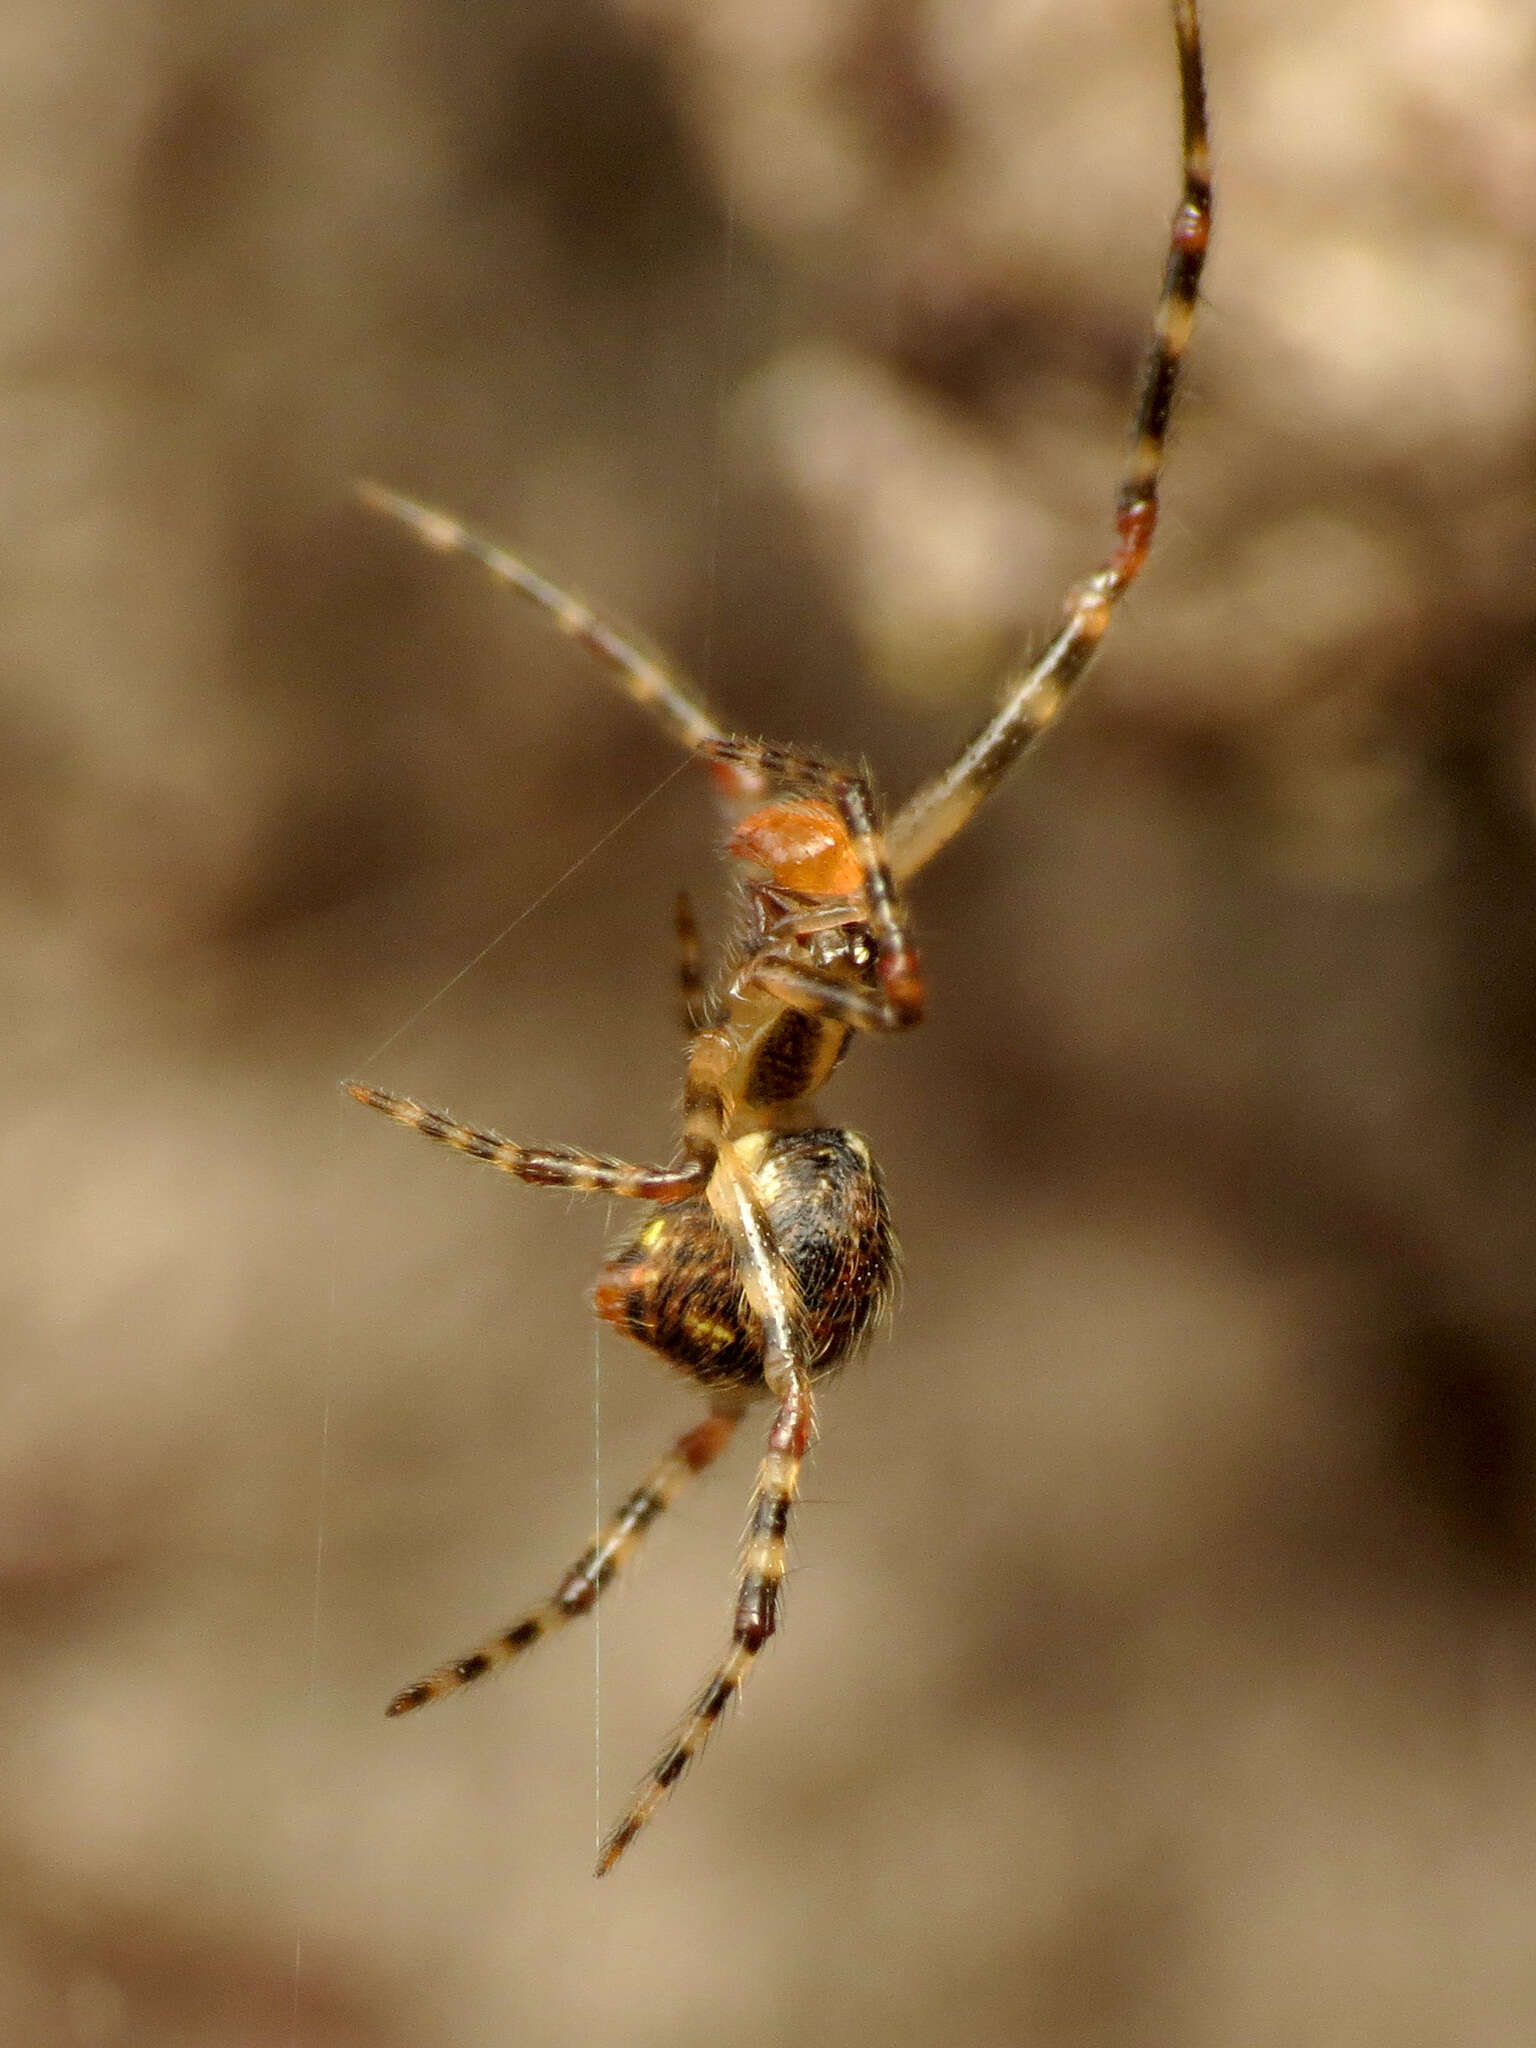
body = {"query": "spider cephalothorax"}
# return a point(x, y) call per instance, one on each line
point(766, 1254)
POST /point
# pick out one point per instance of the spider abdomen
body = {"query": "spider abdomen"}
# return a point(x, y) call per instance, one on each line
point(674, 1285)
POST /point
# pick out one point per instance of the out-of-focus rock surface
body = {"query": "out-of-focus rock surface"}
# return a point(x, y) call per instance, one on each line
point(1160, 1669)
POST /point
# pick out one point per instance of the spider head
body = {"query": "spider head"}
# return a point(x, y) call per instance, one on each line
point(804, 846)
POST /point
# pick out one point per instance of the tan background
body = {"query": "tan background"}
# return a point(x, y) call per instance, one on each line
point(1160, 1666)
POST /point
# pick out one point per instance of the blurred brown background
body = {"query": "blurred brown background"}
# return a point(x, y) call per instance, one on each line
point(1162, 1654)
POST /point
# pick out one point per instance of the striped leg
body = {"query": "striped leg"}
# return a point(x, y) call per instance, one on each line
point(1033, 699)
point(599, 1564)
point(559, 1166)
point(689, 980)
point(757, 1608)
point(641, 674)
point(770, 1290)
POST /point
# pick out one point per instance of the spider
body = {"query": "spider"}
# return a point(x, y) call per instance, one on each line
point(765, 1254)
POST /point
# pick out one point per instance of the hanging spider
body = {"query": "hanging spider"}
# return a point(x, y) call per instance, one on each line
point(766, 1255)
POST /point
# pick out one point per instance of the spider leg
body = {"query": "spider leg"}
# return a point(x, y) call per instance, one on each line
point(896, 962)
point(770, 1289)
point(643, 675)
point(822, 993)
point(756, 1615)
point(557, 1166)
point(689, 980)
point(1033, 698)
point(599, 1564)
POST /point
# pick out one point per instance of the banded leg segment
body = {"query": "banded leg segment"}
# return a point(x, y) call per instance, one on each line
point(558, 1166)
point(756, 1616)
point(1033, 698)
point(770, 1289)
point(641, 674)
point(690, 982)
point(599, 1564)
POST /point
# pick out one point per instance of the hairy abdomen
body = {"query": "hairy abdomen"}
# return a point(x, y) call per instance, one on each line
point(673, 1285)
